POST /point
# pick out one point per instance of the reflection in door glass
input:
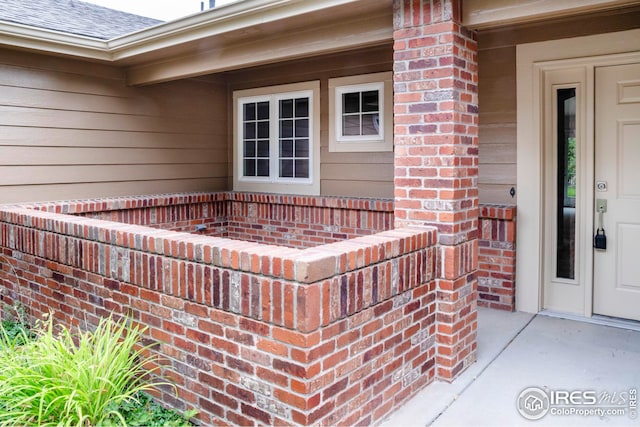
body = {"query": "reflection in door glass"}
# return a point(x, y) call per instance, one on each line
point(566, 185)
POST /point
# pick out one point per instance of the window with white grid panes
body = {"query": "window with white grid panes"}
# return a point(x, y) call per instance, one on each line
point(276, 142)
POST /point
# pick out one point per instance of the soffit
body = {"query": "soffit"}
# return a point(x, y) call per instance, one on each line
point(483, 14)
point(241, 22)
point(607, 21)
point(278, 36)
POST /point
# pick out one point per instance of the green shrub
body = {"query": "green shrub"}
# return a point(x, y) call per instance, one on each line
point(143, 411)
point(14, 334)
point(71, 380)
point(14, 328)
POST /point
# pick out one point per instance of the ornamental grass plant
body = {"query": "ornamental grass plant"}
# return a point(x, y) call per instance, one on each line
point(71, 379)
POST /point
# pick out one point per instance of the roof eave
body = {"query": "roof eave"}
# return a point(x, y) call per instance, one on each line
point(211, 23)
point(193, 28)
point(39, 39)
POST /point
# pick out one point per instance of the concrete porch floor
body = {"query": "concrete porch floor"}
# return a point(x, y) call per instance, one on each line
point(521, 350)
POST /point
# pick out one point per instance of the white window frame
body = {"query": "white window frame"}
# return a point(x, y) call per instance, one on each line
point(382, 82)
point(339, 113)
point(274, 183)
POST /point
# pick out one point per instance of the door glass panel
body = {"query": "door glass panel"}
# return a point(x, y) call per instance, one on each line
point(566, 185)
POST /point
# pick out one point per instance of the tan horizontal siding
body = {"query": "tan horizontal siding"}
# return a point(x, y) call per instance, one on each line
point(497, 154)
point(361, 188)
point(70, 83)
point(70, 101)
point(79, 69)
point(341, 174)
point(350, 172)
point(497, 130)
point(64, 174)
point(496, 173)
point(68, 133)
point(34, 136)
point(498, 192)
point(28, 193)
point(506, 118)
point(32, 156)
point(380, 158)
point(42, 118)
point(498, 133)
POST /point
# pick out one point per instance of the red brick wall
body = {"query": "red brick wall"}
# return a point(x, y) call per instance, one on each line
point(293, 221)
point(497, 257)
point(304, 221)
point(249, 333)
point(436, 159)
point(176, 212)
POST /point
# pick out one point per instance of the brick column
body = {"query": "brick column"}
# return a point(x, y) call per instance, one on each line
point(436, 159)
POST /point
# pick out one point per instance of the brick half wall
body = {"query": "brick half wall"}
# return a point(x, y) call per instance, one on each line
point(292, 221)
point(249, 333)
point(497, 257)
point(304, 221)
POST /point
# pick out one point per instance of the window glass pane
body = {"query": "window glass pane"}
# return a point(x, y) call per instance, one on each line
point(263, 167)
point(302, 148)
point(263, 111)
point(249, 167)
point(302, 168)
point(302, 107)
point(302, 128)
point(286, 129)
point(351, 102)
point(249, 130)
point(263, 130)
point(286, 148)
point(370, 124)
point(351, 125)
point(566, 185)
point(249, 149)
point(370, 101)
point(286, 108)
point(286, 168)
point(263, 148)
point(249, 111)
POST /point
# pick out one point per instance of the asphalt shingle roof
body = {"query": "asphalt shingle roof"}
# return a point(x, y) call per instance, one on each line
point(74, 17)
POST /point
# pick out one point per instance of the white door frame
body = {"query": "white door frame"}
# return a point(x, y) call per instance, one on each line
point(534, 62)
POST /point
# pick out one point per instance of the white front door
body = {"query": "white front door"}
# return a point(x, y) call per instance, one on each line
point(616, 270)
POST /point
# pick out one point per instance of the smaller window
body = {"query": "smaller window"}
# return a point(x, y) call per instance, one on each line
point(360, 113)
